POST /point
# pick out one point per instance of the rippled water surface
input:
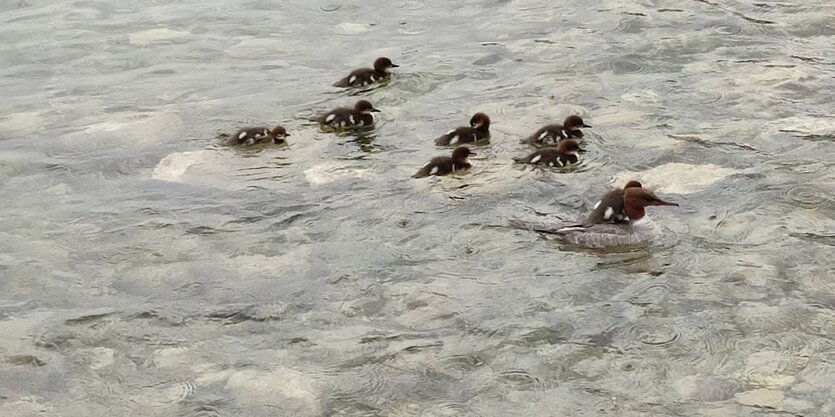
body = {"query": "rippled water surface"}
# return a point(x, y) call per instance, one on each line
point(148, 270)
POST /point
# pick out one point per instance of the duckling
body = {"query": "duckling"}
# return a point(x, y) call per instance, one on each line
point(478, 130)
point(367, 76)
point(562, 155)
point(557, 132)
point(445, 165)
point(254, 135)
point(342, 117)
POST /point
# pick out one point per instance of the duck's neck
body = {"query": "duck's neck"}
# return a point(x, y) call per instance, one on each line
point(635, 213)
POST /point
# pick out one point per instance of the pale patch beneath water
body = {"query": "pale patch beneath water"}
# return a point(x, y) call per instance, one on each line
point(349, 28)
point(133, 128)
point(101, 357)
point(618, 116)
point(763, 398)
point(804, 126)
point(20, 124)
point(174, 166)
point(146, 37)
point(329, 172)
point(282, 385)
point(256, 48)
point(678, 178)
point(642, 97)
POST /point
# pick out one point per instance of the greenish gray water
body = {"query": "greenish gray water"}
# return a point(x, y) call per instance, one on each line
point(146, 270)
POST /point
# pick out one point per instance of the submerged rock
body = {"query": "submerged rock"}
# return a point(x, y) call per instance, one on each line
point(288, 388)
point(765, 398)
point(146, 37)
point(773, 369)
point(679, 178)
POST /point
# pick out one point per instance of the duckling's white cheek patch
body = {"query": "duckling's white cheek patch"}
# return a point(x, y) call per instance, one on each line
point(330, 118)
point(536, 159)
point(433, 171)
point(608, 213)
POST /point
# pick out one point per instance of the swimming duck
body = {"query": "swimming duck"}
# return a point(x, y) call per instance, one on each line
point(557, 132)
point(639, 229)
point(254, 135)
point(562, 155)
point(478, 130)
point(343, 117)
point(444, 165)
point(366, 76)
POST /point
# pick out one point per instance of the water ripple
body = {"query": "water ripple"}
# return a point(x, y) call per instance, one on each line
point(808, 196)
point(330, 7)
point(204, 408)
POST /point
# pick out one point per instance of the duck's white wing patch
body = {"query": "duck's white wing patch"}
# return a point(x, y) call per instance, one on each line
point(434, 170)
point(597, 204)
point(241, 135)
point(352, 79)
point(559, 162)
point(330, 118)
point(543, 135)
point(608, 213)
point(453, 140)
point(536, 159)
point(373, 79)
point(450, 132)
point(351, 118)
